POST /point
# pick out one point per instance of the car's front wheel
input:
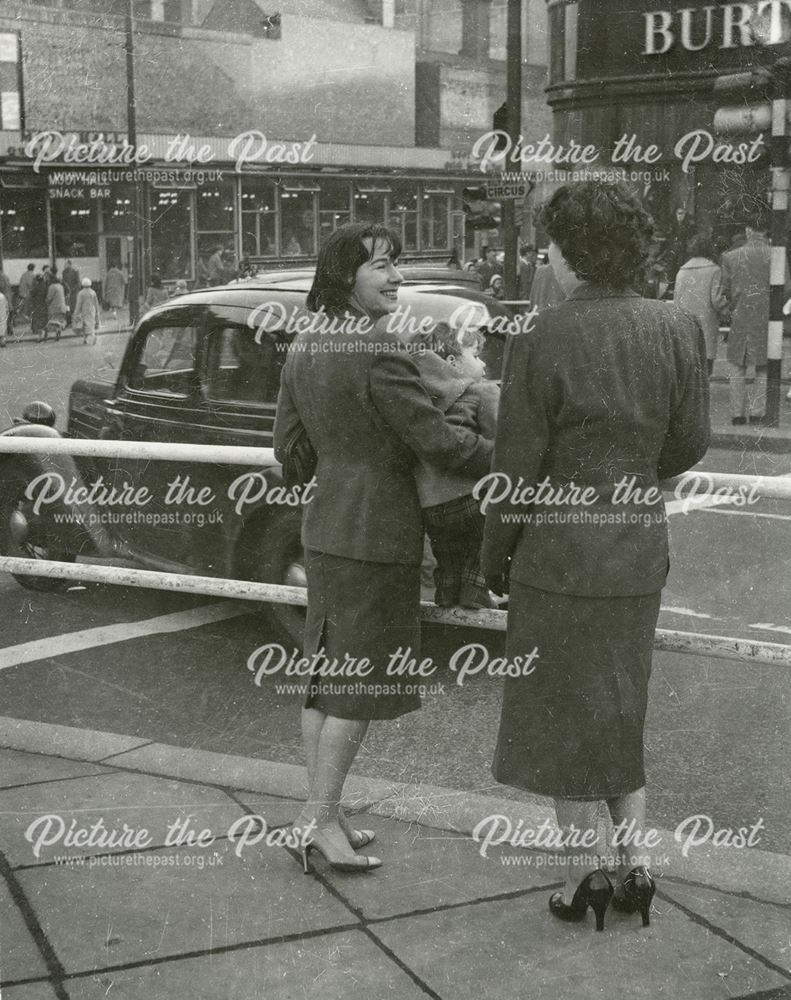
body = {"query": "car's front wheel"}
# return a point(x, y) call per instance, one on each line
point(25, 534)
point(270, 551)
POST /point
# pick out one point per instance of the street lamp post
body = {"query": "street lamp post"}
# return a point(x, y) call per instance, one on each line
point(136, 269)
point(514, 104)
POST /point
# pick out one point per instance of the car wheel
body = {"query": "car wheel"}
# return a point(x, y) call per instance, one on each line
point(27, 535)
point(271, 552)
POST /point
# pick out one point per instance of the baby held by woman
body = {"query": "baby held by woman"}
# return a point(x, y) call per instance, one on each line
point(453, 375)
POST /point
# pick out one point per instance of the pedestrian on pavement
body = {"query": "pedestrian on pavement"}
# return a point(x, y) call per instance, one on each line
point(545, 290)
point(4, 314)
point(71, 285)
point(5, 289)
point(496, 287)
point(56, 308)
point(487, 267)
point(38, 306)
point(745, 286)
point(87, 315)
point(203, 273)
point(25, 287)
point(607, 388)
point(5, 285)
point(367, 416)
point(698, 290)
point(114, 288)
point(216, 267)
point(155, 294)
point(528, 259)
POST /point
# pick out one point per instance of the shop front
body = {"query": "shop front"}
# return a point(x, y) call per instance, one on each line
point(637, 82)
point(274, 215)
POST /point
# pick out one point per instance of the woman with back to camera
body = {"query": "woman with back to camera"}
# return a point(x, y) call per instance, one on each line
point(607, 393)
point(359, 397)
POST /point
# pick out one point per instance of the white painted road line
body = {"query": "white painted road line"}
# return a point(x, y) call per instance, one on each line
point(690, 505)
point(105, 635)
point(751, 513)
point(771, 627)
point(683, 611)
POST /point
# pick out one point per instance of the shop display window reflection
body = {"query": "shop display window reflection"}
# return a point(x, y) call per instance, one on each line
point(171, 233)
point(23, 223)
point(334, 206)
point(403, 213)
point(259, 217)
point(117, 214)
point(369, 202)
point(297, 221)
point(435, 215)
point(74, 227)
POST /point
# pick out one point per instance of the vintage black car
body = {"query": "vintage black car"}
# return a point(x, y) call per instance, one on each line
point(203, 368)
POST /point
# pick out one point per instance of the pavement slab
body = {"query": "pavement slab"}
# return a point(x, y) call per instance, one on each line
point(221, 769)
point(19, 768)
point(19, 956)
point(141, 802)
point(494, 950)
point(341, 965)
point(763, 927)
point(423, 869)
point(66, 741)
point(30, 991)
point(275, 811)
point(151, 905)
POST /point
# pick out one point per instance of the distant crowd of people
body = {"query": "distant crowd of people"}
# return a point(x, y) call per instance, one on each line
point(536, 280)
point(729, 289)
point(51, 302)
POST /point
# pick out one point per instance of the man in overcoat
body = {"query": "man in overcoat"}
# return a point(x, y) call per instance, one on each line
point(745, 285)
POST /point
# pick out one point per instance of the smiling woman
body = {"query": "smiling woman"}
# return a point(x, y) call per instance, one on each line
point(366, 413)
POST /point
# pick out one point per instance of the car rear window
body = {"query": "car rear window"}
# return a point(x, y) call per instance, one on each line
point(244, 365)
point(166, 363)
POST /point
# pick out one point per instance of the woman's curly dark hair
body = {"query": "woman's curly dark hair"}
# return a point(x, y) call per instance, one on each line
point(338, 261)
point(602, 230)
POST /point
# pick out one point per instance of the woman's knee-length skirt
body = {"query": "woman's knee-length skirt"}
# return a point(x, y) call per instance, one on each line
point(573, 728)
point(361, 611)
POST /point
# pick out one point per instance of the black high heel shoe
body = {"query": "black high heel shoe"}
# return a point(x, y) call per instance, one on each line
point(638, 891)
point(585, 896)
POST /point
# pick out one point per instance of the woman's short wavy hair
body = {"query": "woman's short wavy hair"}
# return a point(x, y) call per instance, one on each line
point(602, 230)
point(340, 257)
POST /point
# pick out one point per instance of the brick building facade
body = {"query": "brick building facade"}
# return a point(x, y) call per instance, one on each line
point(364, 114)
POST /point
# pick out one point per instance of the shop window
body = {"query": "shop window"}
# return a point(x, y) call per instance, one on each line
point(498, 17)
point(171, 233)
point(167, 362)
point(259, 217)
point(298, 221)
point(334, 206)
point(117, 214)
point(244, 365)
point(74, 226)
point(403, 213)
point(159, 10)
point(215, 207)
point(436, 212)
point(370, 204)
point(443, 27)
point(23, 223)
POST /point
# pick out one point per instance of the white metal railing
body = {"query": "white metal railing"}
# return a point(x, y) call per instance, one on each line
point(694, 643)
point(91, 448)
